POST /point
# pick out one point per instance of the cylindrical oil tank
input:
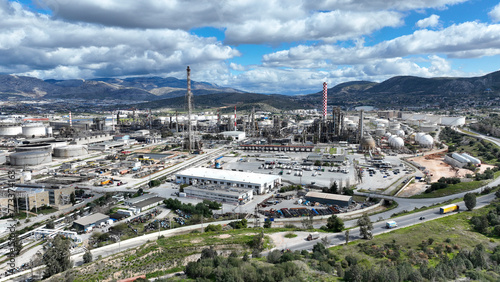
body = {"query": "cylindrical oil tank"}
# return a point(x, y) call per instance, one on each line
point(34, 147)
point(453, 121)
point(380, 131)
point(30, 158)
point(3, 157)
point(70, 151)
point(26, 175)
point(10, 130)
point(36, 129)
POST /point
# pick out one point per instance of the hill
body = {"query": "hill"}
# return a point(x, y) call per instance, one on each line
point(403, 91)
point(244, 102)
point(132, 89)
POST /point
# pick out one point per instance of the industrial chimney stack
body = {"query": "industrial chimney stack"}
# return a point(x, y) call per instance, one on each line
point(189, 99)
point(325, 102)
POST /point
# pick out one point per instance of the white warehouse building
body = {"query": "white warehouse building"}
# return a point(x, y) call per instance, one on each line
point(215, 193)
point(260, 183)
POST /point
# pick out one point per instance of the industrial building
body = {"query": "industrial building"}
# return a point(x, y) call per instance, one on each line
point(236, 135)
point(329, 199)
point(260, 183)
point(88, 222)
point(133, 201)
point(148, 203)
point(27, 198)
point(219, 193)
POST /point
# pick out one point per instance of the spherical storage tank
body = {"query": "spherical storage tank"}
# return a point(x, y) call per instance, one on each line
point(30, 158)
point(426, 141)
point(33, 129)
point(10, 130)
point(401, 133)
point(418, 136)
point(70, 151)
point(397, 142)
point(367, 143)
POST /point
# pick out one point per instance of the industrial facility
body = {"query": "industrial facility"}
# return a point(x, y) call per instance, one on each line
point(260, 183)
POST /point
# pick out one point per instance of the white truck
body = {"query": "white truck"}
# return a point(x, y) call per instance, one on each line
point(391, 224)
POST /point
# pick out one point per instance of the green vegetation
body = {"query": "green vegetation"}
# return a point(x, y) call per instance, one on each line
point(452, 189)
point(290, 188)
point(333, 150)
point(470, 201)
point(57, 256)
point(334, 224)
point(204, 208)
point(485, 150)
point(290, 235)
point(489, 125)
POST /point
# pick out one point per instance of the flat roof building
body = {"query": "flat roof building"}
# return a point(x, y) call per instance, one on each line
point(85, 223)
point(148, 203)
point(260, 183)
point(220, 193)
point(133, 201)
point(329, 199)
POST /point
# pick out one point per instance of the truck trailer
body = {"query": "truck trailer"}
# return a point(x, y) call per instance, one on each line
point(449, 208)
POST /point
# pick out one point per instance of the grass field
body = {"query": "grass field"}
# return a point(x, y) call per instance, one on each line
point(452, 189)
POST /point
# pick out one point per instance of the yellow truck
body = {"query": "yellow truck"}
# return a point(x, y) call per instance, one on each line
point(449, 208)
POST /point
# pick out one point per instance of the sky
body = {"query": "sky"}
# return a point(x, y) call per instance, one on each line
point(262, 46)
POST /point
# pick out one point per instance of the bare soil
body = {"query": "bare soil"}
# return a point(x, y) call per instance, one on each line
point(436, 168)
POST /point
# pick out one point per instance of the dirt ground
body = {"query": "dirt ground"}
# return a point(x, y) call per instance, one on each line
point(280, 242)
point(437, 168)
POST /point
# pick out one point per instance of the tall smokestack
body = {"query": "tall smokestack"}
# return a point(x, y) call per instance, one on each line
point(325, 103)
point(361, 125)
point(70, 120)
point(235, 127)
point(189, 101)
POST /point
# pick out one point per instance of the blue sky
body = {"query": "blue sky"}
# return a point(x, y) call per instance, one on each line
point(263, 46)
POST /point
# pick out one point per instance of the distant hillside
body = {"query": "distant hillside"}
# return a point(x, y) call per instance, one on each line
point(132, 89)
point(244, 101)
point(407, 91)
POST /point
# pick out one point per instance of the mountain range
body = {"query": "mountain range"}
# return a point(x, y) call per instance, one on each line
point(157, 92)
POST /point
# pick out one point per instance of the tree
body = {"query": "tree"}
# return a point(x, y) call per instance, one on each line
point(87, 257)
point(335, 223)
point(347, 237)
point(57, 256)
point(72, 198)
point(365, 227)
point(470, 201)
point(267, 224)
point(50, 224)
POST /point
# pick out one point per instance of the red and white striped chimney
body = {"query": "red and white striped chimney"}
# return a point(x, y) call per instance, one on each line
point(325, 95)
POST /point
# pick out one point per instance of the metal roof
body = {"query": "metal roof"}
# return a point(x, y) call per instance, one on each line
point(148, 202)
point(84, 221)
point(327, 196)
point(228, 175)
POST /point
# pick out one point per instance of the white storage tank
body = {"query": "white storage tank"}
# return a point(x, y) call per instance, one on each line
point(30, 158)
point(397, 142)
point(70, 151)
point(10, 130)
point(453, 121)
point(34, 129)
point(418, 136)
point(380, 131)
point(401, 133)
point(426, 141)
point(48, 131)
point(26, 175)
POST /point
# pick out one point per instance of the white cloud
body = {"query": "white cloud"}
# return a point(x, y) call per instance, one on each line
point(431, 21)
point(467, 40)
point(33, 43)
point(236, 67)
point(495, 13)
